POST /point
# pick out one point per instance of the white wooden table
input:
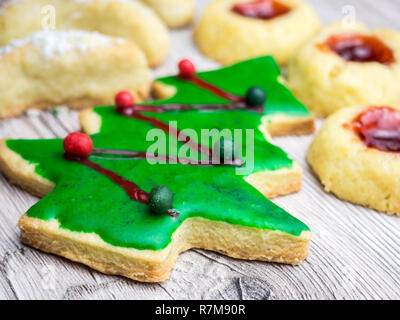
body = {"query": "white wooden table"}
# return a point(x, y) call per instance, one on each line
point(354, 253)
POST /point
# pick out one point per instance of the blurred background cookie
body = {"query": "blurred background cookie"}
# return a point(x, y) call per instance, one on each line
point(128, 19)
point(175, 13)
point(343, 67)
point(234, 30)
point(77, 68)
point(356, 156)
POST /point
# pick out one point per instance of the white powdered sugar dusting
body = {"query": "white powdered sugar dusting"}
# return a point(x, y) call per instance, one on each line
point(51, 44)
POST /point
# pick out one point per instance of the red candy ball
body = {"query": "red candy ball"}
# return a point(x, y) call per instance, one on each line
point(78, 144)
point(124, 99)
point(186, 69)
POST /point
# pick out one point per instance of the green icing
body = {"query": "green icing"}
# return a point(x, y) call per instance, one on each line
point(86, 201)
point(236, 79)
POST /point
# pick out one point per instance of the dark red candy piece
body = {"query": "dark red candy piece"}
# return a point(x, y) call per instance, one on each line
point(124, 99)
point(360, 48)
point(379, 128)
point(78, 144)
point(263, 9)
point(187, 69)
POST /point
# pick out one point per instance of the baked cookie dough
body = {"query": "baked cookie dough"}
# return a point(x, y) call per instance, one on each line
point(356, 155)
point(345, 67)
point(235, 30)
point(175, 13)
point(77, 68)
point(127, 19)
point(103, 197)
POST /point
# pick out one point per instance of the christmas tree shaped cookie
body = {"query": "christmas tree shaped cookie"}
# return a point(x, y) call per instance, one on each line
point(156, 179)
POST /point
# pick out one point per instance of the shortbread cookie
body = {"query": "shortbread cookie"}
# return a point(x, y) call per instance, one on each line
point(109, 200)
point(344, 67)
point(127, 19)
point(235, 30)
point(356, 155)
point(175, 13)
point(80, 69)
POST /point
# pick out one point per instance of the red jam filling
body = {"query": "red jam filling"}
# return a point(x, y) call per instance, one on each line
point(360, 48)
point(379, 128)
point(262, 9)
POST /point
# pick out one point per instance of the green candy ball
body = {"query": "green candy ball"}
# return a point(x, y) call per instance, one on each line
point(227, 149)
point(160, 199)
point(255, 97)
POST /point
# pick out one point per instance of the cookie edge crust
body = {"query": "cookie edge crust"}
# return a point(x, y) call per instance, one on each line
point(156, 266)
point(22, 173)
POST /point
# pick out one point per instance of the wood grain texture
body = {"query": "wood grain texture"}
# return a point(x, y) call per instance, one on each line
point(354, 254)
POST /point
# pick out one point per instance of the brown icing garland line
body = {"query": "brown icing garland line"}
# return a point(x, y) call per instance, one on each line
point(132, 189)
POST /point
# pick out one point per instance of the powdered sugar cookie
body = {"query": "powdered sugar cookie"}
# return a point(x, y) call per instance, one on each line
point(77, 68)
point(120, 18)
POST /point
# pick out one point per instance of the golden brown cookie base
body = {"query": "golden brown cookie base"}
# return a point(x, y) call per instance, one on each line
point(21, 173)
point(155, 266)
point(282, 125)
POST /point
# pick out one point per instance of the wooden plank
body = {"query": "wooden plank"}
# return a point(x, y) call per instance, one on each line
point(354, 254)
